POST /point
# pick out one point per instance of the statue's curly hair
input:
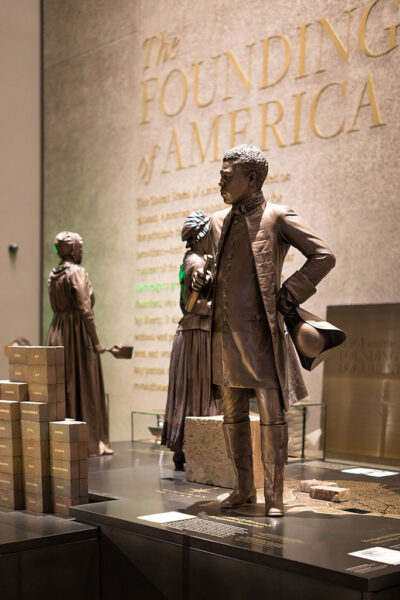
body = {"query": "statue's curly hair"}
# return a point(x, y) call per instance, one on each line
point(250, 158)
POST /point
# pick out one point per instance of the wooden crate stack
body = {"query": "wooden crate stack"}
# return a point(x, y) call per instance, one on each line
point(68, 456)
point(46, 378)
point(37, 473)
point(10, 454)
point(35, 455)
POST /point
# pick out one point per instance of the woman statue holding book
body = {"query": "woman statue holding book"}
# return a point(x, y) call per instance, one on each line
point(72, 300)
point(189, 389)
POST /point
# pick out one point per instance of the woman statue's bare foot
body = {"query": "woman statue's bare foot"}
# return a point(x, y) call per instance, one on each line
point(104, 449)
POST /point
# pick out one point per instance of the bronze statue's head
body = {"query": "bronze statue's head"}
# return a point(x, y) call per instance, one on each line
point(69, 246)
point(243, 172)
point(195, 228)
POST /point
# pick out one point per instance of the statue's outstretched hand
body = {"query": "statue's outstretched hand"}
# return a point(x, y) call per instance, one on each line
point(100, 348)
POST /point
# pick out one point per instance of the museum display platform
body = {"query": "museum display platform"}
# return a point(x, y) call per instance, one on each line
point(196, 550)
point(47, 556)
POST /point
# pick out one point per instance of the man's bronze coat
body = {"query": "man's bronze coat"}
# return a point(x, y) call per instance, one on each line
point(272, 229)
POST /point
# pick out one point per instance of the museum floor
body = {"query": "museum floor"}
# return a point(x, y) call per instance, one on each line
point(147, 533)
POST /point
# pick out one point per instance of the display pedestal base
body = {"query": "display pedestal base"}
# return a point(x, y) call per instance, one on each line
point(47, 557)
point(206, 456)
point(239, 553)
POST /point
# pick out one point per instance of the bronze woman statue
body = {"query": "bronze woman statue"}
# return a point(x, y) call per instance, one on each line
point(189, 389)
point(72, 300)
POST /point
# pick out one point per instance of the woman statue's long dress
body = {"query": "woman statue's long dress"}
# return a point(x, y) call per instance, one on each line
point(189, 389)
point(72, 300)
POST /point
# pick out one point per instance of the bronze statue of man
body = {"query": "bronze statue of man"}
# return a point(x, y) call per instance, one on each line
point(252, 353)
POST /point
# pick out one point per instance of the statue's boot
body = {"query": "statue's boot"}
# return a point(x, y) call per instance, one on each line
point(238, 443)
point(274, 442)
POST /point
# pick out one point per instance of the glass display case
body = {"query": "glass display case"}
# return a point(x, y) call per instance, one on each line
point(153, 424)
point(306, 421)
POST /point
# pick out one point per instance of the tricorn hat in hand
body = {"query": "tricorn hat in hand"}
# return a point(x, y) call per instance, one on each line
point(314, 338)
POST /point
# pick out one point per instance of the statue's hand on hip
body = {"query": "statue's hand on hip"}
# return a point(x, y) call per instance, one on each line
point(287, 306)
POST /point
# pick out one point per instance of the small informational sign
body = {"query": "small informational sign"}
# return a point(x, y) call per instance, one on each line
point(212, 528)
point(191, 524)
point(167, 517)
point(364, 368)
point(369, 472)
point(366, 568)
point(378, 554)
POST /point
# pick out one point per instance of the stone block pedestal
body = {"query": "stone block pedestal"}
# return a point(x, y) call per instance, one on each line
point(206, 456)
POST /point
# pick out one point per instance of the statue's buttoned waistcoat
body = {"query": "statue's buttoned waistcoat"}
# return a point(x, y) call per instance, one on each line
point(271, 230)
point(242, 352)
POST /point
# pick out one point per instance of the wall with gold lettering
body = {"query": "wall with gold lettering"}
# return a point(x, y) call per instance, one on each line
point(141, 100)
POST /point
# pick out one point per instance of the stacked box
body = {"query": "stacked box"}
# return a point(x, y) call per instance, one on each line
point(12, 390)
point(10, 455)
point(17, 373)
point(42, 367)
point(68, 464)
point(35, 418)
point(17, 355)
